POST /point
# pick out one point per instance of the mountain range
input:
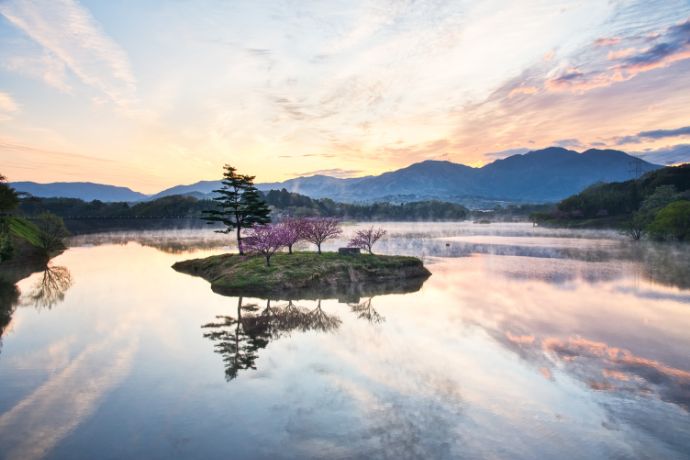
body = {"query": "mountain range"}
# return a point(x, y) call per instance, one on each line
point(544, 175)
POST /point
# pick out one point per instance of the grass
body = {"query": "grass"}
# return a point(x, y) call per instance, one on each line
point(27, 256)
point(25, 230)
point(300, 271)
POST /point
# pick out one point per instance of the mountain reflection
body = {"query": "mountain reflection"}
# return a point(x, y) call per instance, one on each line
point(238, 339)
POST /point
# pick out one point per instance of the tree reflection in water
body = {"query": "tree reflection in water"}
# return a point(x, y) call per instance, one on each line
point(238, 339)
point(50, 289)
point(9, 297)
point(46, 292)
point(365, 311)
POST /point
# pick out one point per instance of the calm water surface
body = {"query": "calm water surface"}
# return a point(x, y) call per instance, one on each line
point(524, 343)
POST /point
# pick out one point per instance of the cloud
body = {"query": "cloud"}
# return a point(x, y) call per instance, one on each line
point(527, 90)
point(501, 154)
point(70, 35)
point(623, 140)
point(671, 46)
point(46, 67)
point(308, 155)
point(667, 155)
point(418, 152)
point(575, 80)
point(7, 106)
point(675, 46)
point(607, 41)
point(620, 54)
point(660, 133)
point(333, 172)
point(652, 134)
point(568, 143)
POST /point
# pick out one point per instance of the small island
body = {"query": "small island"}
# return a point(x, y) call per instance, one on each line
point(266, 265)
point(308, 275)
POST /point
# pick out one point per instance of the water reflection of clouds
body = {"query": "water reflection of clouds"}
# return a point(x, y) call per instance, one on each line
point(609, 368)
point(42, 419)
point(603, 367)
point(578, 356)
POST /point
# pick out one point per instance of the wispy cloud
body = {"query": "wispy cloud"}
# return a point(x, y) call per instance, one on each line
point(670, 46)
point(69, 33)
point(607, 41)
point(568, 143)
point(333, 172)
point(7, 106)
point(659, 133)
point(652, 134)
point(46, 67)
point(501, 154)
point(672, 155)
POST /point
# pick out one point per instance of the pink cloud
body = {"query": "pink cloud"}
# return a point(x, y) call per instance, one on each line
point(607, 41)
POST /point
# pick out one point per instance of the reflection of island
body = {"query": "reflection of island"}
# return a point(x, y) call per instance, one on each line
point(238, 339)
point(50, 288)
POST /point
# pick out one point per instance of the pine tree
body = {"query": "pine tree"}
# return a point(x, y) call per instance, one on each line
point(240, 205)
point(255, 208)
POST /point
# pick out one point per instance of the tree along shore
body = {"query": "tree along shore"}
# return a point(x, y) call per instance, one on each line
point(186, 211)
point(657, 205)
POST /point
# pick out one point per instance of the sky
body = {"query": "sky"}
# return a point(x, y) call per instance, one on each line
point(150, 94)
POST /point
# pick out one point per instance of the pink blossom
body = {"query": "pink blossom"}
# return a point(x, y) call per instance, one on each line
point(365, 239)
point(294, 231)
point(266, 240)
point(319, 229)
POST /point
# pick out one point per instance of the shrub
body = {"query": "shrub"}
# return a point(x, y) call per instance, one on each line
point(52, 231)
point(672, 222)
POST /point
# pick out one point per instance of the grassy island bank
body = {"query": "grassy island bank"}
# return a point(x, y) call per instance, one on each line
point(308, 275)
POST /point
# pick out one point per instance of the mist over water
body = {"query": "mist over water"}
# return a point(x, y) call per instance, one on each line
point(526, 342)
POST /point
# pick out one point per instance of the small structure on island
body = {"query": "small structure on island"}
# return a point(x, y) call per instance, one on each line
point(349, 251)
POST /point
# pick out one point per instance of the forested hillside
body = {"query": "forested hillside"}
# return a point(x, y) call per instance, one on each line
point(178, 210)
point(654, 204)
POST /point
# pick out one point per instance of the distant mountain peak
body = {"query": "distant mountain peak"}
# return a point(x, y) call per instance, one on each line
point(548, 174)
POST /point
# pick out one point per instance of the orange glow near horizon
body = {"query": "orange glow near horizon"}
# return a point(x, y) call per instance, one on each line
point(156, 95)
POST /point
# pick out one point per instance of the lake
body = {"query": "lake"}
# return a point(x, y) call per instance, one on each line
point(525, 343)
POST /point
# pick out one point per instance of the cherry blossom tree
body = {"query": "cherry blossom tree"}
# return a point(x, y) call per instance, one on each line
point(265, 240)
point(294, 231)
point(365, 239)
point(319, 229)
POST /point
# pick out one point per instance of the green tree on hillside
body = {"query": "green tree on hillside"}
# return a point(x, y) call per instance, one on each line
point(8, 202)
point(52, 232)
point(672, 222)
point(8, 197)
point(239, 205)
point(644, 216)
